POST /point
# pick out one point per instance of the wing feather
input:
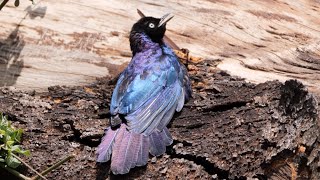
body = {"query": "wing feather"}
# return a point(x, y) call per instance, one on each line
point(148, 97)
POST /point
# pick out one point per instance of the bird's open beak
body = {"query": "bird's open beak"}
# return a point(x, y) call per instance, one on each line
point(164, 19)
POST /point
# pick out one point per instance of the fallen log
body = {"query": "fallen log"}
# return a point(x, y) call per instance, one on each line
point(73, 42)
point(230, 129)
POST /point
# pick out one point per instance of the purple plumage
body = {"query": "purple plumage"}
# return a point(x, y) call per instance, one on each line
point(148, 93)
point(130, 149)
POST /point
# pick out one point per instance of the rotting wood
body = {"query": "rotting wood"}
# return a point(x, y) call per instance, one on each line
point(241, 130)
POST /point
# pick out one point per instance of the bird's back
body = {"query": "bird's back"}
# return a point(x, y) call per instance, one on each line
point(149, 77)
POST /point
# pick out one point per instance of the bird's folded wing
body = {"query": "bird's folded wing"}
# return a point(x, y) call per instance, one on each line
point(148, 100)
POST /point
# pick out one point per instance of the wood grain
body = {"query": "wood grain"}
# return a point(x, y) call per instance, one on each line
point(72, 42)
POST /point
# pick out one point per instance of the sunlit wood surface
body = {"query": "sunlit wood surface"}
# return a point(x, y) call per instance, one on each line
point(73, 42)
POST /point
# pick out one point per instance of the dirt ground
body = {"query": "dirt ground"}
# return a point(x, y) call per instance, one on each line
point(230, 129)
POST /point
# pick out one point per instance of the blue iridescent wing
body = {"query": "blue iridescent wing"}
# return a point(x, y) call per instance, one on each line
point(149, 99)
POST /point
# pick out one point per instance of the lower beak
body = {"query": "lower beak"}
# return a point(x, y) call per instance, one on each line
point(164, 19)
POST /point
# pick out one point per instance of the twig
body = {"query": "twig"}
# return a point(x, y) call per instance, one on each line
point(14, 172)
point(140, 13)
point(3, 4)
point(21, 176)
point(21, 160)
point(53, 166)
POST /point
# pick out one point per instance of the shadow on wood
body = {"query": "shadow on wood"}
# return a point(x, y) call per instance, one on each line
point(10, 63)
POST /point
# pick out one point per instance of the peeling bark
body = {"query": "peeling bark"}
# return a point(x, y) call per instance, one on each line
point(230, 129)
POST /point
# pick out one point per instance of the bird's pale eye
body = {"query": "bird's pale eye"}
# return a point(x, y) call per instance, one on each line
point(151, 25)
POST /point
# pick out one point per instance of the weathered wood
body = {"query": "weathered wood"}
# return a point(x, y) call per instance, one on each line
point(72, 42)
point(229, 129)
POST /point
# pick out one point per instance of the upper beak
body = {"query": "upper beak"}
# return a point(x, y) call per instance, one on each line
point(164, 19)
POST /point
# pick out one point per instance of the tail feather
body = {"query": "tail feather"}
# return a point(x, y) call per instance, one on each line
point(133, 150)
point(118, 160)
point(130, 149)
point(105, 148)
point(143, 151)
point(157, 146)
point(166, 136)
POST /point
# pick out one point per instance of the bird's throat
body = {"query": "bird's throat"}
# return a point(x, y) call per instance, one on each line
point(140, 42)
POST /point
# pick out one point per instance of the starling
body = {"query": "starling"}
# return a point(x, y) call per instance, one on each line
point(148, 92)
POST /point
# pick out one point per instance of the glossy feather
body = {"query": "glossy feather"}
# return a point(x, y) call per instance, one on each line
point(147, 94)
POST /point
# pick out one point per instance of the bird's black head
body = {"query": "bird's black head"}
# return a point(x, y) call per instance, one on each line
point(152, 27)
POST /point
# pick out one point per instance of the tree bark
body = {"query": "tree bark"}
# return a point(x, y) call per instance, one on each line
point(230, 129)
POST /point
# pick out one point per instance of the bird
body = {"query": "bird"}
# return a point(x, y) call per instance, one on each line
point(148, 92)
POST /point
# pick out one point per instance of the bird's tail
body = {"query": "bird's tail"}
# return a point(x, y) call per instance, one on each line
point(130, 149)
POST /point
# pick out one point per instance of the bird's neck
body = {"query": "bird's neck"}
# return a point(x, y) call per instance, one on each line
point(140, 42)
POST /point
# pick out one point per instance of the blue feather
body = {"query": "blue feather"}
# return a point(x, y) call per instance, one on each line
point(147, 90)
